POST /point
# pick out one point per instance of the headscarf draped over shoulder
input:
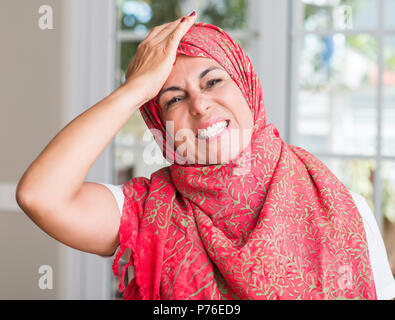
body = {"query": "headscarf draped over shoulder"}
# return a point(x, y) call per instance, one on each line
point(286, 228)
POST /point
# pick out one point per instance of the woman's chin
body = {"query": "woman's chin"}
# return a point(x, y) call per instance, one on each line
point(211, 154)
point(222, 156)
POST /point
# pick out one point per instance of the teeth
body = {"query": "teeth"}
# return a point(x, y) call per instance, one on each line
point(212, 130)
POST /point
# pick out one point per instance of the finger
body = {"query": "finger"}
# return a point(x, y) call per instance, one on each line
point(181, 29)
point(154, 31)
point(164, 33)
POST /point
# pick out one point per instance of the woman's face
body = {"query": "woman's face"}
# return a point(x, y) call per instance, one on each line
point(212, 120)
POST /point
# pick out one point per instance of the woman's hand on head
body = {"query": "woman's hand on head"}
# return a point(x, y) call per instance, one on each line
point(155, 56)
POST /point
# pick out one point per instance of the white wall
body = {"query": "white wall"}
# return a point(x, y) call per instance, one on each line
point(47, 78)
point(30, 93)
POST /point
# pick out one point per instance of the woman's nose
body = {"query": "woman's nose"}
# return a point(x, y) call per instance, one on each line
point(199, 105)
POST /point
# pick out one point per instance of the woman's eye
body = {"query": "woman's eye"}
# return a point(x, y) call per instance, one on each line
point(212, 82)
point(174, 100)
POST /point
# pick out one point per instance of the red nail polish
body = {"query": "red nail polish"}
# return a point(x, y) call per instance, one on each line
point(192, 14)
point(183, 19)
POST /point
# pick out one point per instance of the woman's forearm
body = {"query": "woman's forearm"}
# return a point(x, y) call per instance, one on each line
point(61, 168)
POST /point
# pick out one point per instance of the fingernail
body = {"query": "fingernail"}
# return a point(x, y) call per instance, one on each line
point(192, 14)
point(183, 19)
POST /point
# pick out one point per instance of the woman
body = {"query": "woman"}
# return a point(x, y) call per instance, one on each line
point(238, 215)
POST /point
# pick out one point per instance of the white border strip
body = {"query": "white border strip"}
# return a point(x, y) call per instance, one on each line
point(7, 197)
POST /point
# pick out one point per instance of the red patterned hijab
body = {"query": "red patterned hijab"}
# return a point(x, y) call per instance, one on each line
point(286, 228)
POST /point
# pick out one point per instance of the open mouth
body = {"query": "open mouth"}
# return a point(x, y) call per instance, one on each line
point(214, 130)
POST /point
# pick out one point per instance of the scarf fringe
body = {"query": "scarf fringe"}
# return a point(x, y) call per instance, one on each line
point(133, 290)
point(115, 269)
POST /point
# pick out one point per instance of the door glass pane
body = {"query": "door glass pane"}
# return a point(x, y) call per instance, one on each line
point(228, 14)
point(388, 128)
point(127, 51)
point(336, 94)
point(388, 209)
point(389, 10)
point(142, 15)
point(356, 174)
point(339, 14)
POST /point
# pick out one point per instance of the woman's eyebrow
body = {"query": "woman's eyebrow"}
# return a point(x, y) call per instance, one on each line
point(175, 88)
point(207, 71)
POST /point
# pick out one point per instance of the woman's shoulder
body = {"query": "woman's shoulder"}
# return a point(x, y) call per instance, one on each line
point(357, 197)
point(369, 220)
point(117, 192)
point(383, 278)
point(366, 213)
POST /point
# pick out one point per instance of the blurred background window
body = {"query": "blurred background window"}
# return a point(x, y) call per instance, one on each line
point(342, 96)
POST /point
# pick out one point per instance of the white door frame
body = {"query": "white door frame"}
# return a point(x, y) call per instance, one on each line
point(88, 31)
point(270, 57)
